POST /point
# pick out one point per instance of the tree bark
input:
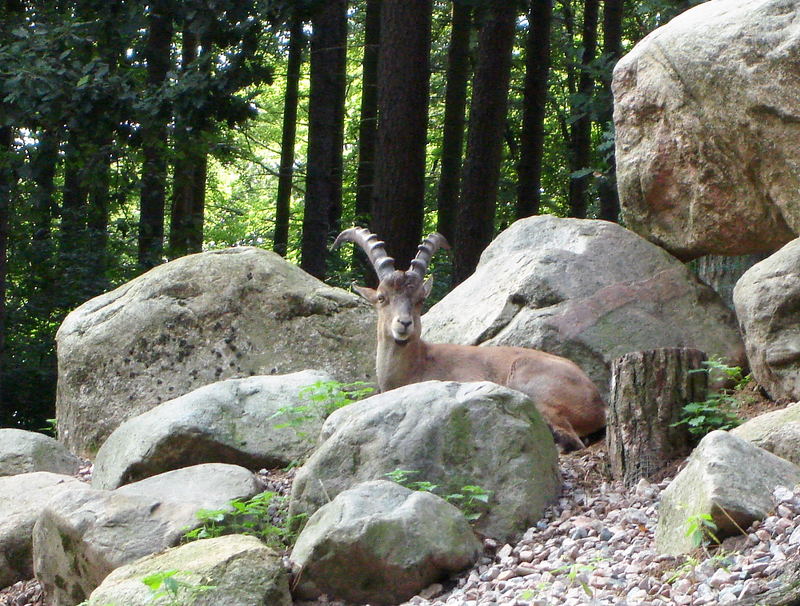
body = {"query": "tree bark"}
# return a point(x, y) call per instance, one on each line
point(537, 71)
point(455, 103)
point(648, 392)
point(280, 242)
point(487, 119)
point(581, 135)
point(403, 95)
point(325, 133)
point(154, 141)
point(7, 183)
point(722, 272)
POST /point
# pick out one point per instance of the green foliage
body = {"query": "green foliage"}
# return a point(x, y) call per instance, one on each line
point(168, 590)
point(718, 410)
point(264, 516)
point(473, 501)
point(701, 529)
point(320, 400)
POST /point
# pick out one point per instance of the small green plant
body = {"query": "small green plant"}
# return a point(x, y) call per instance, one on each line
point(168, 590)
point(718, 410)
point(577, 573)
point(470, 499)
point(702, 530)
point(255, 516)
point(51, 427)
point(319, 400)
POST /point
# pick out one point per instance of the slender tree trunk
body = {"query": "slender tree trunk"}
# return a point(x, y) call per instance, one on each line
point(7, 183)
point(73, 207)
point(154, 141)
point(537, 71)
point(455, 103)
point(403, 95)
point(325, 133)
point(612, 50)
point(581, 136)
point(475, 224)
point(98, 213)
point(288, 136)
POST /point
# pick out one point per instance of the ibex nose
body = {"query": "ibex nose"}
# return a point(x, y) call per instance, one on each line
point(405, 323)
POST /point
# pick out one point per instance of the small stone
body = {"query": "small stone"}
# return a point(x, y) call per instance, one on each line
point(794, 538)
point(504, 551)
point(719, 578)
point(505, 575)
point(782, 494)
point(431, 591)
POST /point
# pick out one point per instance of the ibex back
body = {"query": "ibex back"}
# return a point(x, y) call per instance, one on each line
point(566, 397)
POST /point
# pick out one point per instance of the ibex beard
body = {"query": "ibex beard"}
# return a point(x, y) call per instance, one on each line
point(567, 399)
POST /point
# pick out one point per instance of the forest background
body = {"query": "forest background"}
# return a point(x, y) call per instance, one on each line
point(133, 132)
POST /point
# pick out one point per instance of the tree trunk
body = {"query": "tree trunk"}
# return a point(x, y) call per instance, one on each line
point(403, 95)
point(455, 103)
point(487, 120)
point(7, 183)
point(325, 133)
point(722, 272)
point(537, 71)
point(154, 141)
point(648, 392)
point(612, 51)
point(581, 136)
point(280, 242)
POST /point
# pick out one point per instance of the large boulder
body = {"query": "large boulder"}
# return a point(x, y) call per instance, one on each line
point(197, 320)
point(587, 290)
point(28, 451)
point(235, 570)
point(227, 422)
point(22, 498)
point(450, 434)
point(767, 300)
point(381, 543)
point(777, 431)
point(726, 478)
point(707, 124)
point(83, 535)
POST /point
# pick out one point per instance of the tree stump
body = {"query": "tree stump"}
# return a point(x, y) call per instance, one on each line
point(648, 392)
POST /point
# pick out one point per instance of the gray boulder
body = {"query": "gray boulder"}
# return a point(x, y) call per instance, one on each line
point(198, 320)
point(82, 536)
point(777, 432)
point(450, 434)
point(240, 571)
point(27, 451)
point(767, 300)
point(381, 543)
point(707, 124)
point(727, 478)
point(22, 498)
point(587, 290)
point(228, 422)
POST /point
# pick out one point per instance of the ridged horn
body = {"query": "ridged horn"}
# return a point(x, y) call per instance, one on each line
point(427, 249)
point(375, 249)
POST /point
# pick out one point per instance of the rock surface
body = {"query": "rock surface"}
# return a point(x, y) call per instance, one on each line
point(777, 432)
point(450, 434)
point(28, 451)
point(226, 422)
point(726, 478)
point(22, 499)
point(767, 300)
point(707, 124)
point(587, 290)
point(85, 534)
point(240, 570)
point(197, 320)
point(381, 543)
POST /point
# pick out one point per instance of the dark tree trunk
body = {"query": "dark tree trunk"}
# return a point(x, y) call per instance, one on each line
point(325, 133)
point(73, 205)
point(455, 103)
point(487, 119)
point(154, 141)
point(648, 392)
point(368, 123)
point(581, 136)
point(7, 182)
point(403, 95)
point(98, 213)
point(722, 272)
point(612, 51)
point(537, 71)
point(288, 136)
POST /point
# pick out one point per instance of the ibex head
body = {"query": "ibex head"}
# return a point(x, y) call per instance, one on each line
point(400, 294)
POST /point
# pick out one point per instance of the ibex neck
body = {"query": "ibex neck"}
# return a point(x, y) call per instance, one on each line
point(397, 364)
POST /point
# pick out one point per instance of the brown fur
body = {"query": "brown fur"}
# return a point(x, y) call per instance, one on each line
point(566, 397)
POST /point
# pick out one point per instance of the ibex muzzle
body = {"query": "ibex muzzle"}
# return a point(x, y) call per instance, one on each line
point(566, 397)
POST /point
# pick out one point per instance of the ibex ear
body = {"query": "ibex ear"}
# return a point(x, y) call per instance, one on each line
point(370, 294)
point(427, 286)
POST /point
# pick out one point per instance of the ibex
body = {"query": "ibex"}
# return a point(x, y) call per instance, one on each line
point(566, 397)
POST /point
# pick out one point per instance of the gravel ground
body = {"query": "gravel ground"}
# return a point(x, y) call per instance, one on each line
point(594, 547)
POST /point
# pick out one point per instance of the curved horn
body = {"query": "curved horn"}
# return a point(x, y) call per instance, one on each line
point(375, 249)
point(427, 249)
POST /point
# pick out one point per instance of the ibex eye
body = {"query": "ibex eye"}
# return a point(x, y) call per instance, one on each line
point(381, 298)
